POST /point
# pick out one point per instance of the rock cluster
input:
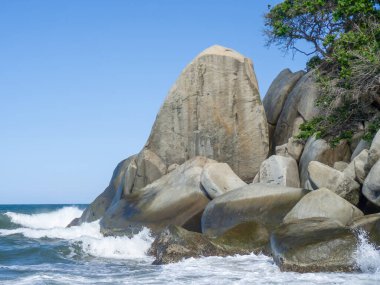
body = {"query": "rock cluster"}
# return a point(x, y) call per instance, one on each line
point(222, 173)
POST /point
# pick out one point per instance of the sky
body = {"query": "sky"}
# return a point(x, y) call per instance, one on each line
point(81, 82)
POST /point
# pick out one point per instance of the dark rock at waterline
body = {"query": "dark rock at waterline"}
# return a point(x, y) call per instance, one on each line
point(175, 243)
point(370, 224)
point(314, 245)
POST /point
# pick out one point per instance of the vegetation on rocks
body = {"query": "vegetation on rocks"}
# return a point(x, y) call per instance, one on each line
point(345, 47)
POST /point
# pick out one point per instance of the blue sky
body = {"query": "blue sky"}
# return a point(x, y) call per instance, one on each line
point(81, 82)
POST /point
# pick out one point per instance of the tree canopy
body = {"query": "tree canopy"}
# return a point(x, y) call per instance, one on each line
point(344, 36)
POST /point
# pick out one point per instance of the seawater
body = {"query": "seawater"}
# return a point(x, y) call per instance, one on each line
point(37, 248)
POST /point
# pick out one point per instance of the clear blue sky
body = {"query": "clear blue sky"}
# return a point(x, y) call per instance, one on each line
point(81, 82)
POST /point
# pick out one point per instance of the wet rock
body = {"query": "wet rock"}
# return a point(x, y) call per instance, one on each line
point(314, 245)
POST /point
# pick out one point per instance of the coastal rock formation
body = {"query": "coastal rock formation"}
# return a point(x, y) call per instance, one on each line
point(279, 170)
point(321, 175)
point(278, 92)
point(320, 150)
point(371, 186)
point(262, 203)
point(213, 110)
point(323, 203)
point(300, 102)
point(218, 178)
point(177, 198)
point(175, 243)
point(314, 245)
point(357, 168)
point(374, 151)
point(110, 195)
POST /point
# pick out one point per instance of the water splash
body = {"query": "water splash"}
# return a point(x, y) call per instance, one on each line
point(87, 236)
point(59, 218)
point(367, 255)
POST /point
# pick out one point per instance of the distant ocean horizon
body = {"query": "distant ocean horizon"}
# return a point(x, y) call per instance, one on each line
point(37, 248)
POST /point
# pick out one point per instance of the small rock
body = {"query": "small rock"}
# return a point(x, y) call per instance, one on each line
point(279, 170)
point(321, 175)
point(218, 178)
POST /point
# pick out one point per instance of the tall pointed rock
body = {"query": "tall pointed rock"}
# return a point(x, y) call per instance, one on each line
point(213, 110)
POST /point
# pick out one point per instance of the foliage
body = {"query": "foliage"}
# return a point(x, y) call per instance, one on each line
point(345, 40)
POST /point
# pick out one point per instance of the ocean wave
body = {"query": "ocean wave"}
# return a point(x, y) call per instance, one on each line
point(87, 236)
point(58, 218)
point(367, 256)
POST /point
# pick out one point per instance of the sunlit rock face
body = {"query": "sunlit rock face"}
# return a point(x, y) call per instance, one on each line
point(213, 110)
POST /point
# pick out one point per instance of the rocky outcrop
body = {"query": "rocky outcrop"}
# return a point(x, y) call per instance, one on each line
point(213, 110)
point(323, 203)
point(320, 150)
point(357, 168)
point(177, 198)
point(362, 145)
point(278, 92)
point(218, 178)
point(110, 195)
point(174, 244)
point(374, 151)
point(264, 204)
point(279, 170)
point(371, 186)
point(299, 104)
point(321, 175)
point(314, 245)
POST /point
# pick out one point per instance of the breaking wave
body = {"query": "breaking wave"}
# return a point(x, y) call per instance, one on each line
point(86, 236)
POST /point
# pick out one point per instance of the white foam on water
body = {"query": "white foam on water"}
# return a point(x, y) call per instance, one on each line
point(87, 235)
point(119, 247)
point(59, 218)
point(367, 256)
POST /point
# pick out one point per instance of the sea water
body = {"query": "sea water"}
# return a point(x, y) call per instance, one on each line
point(37, 248)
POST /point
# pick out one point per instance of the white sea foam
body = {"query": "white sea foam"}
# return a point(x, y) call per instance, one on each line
point(87, 236)
point(367, 256)
point(59, 218)
point(119, 247)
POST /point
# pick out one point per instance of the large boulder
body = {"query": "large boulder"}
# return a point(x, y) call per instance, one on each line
point(110, 195)
point(218, 178)
point(314, 245)
point(279, 170)
point(370, 225)
point(362, 145)
point(175, 243)
point(357, 168)
point(321, 175)
point(278, 92)
point(374, 151)
point(176, 198)
point(262, 203)
point(371, 186)
point(213, 110)
point(300, 101)
point(320, 150)
point(323, 203)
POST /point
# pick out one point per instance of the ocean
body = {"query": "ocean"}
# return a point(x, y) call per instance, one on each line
point(37, 248)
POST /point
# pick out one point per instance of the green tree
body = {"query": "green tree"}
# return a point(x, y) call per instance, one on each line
point(344, 36)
